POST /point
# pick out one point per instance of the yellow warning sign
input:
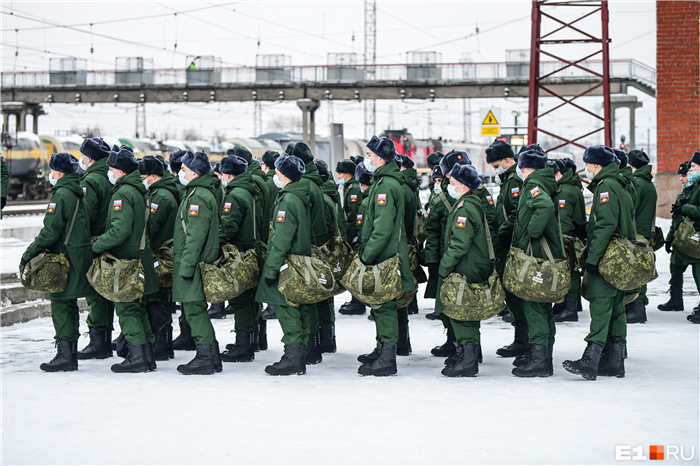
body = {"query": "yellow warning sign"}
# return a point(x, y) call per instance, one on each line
point(490, 119)
point(490, 131)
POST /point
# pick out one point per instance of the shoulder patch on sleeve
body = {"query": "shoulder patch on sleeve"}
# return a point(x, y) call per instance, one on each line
point(281, 215)
point(117, 205)
point(427, 212)
point(562, 203)
point(85, 191)
point(154, 207)
point(604, 197)
point(489, 199)
point(381, 199)
point(353, 198)
point(461, 222)
point(360, 218)
point(194, 210)
point(51, 209)
point(534, 192)
point(515, 192)
point(227, 207)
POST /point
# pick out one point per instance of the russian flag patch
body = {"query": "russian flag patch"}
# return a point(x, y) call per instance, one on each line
point(51, 209)
point(117, 205)
point(381, 199)
point(194, 210)
point(461, 222)
point(534, 192)
point(281, 215)
point(227, 207)
point(604, 197)
point(154, 207)
point(85, 191)
point(514, 192)
point(489, 199)
point(562, 203)
point(359, 219)
point(353, 198)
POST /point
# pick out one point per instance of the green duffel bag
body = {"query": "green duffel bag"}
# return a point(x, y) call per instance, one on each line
point(117, 280)
point(374, 284)
point(686, 239)
point(305, 280)
point(626, 264)
point(46, 272)
point(406, 298)
point(338, 255)
point(472, 301)
point(163, 264)
point(230, 275)
point(657, 240)
point(574, 248)
point(537, 280)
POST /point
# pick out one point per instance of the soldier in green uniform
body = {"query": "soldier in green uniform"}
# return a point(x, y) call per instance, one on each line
point(96, 192)
point(612, 212)
point(364, 178)
point(572, 210)
point(268, 160)
point(384, 235)
point(126, 224)
point(291, 234)
point(500, 156)
point(467, 254)
point(66, 230)
point(536, 222)
point(4, 183)
point(433, 161)
point(414, 213)
point(677, 267)
point(175, 164)
point(163, 200)
point(434, 235)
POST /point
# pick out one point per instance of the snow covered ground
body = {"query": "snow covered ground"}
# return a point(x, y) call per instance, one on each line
point(333, 415)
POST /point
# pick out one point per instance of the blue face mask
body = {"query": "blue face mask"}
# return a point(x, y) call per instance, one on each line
point(368, 165)
point(688, 185)
point(341, 182)
point(693, 176)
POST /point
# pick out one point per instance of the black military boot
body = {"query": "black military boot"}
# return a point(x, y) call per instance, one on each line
point(404, 346)
point(114, 343)
point(579, 303)
point(262, 335)
point(448, 348)
point(675, 303)
point(467, 364)
point(612, 361)
point(369, 358)
point(313, 355)
point(694, 317)
point(256, 334)
point(558, 307)
point(413, 306)
point(64, 360)
point(537, 365)
point(519, 346)
point(184, 341)
point(522, 359)
point(269, 312)
point(242, 350)
point(384, 365)
point(216, 355)
point(433, 316)
point(292, 362)
point(135, 360)
point(636, 312)
point(353, 308)
point(161, 350)
point(217, 311)
point(587, 366)
point(327, 338)
point(148, 354)
point(99, 346)
point(229, 310)
point(202, 364)
point(568, 312)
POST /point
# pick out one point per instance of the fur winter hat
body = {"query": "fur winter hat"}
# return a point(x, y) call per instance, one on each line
point(437, 173)
point(554, 165)
point(123, 160)
point(621, 156)
point(346, 166)
point(161, 159)
point(683, 168)
point(599, 155)
point(638, 158)
point(233, 165)
point(454, 157)
point(362, 175)
point(384, 148)
point(535, 147)
point(499, 150)
point(569, 164)
point(303, 152)
point(94, 148)
point(197, 162)
point(289, 149)
point(695, 159)
point(150, 165)
point(532, 159)
point(322, 169)
point(269, 158)
point(64, 162)
point(290, 166)
point(357, 159)
point(407, 162)
point(175, 160)
point(241, 151)
point(434, 159)
point(467, 175)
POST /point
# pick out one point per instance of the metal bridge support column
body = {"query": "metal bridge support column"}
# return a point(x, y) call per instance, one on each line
point(625, 101)
point(308, 108)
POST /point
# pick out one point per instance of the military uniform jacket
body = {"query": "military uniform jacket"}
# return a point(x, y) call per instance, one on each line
point(506, 209)
point(435, 225)
point(291, 234)
point(645, 209)
point(264, 200)
point(59, 213)
point(331, 199)
point(410, 186)
point(96, 188)
point(676, 220)
point(360, 219)
point(180, 188)
point(197, 240)
point(612, 211)
point(163, 202)
point(352, 198)
point(237, 216)
point(383, 232)
point(569, 201)
point(631, 184)
point(692, 211)
point(273, 190)
point(311, 181)
point(489, 207)
point(125, 226)
point(467, 249)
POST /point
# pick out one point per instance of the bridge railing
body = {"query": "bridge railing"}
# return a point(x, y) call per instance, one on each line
point(409, 74)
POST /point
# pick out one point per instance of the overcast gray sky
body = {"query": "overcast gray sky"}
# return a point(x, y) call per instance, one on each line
point(33, 33)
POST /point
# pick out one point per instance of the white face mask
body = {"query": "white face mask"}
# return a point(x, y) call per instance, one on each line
point(81, 164)
point(110, 177)
point(519, 172)
point(52, 180)
point(146, 184)
point(498, 181)
point(224, 182)
point(184, 181)
point(452, 191)
point(437, 189)
point(279, 183)
point(500, 171)
point(588, 174)
point(368, 165)
point(362, 189)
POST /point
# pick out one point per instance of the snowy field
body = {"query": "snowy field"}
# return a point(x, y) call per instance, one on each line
point(334, 416)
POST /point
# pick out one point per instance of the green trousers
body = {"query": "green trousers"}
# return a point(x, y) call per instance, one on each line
point(677, 271)
point(575, 287)
point(326, 312)
point(134, 322)
point(608, 320)
point(312, 312)
point(386, 320)
point(101, 315)
point(466, 333)
point(295, 323)
point(402, 315)
point(540, 323)
point(515, 306)
point(196, 315)
point(66, 319)
point(246, 312)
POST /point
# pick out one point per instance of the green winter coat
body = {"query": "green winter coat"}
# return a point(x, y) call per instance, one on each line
point(163, 198)
point(264, 201)
point(506, 209)
point(488, 206)
point(435, 225)
point(631, 183)
point(612, 211)
point(125, 226)
point(291, 234)
point(237, 214)
point(570, 203)
point(360, 217)
point(180, 188)
point(199, 211)
point(537, 216)
point(410, 188)
point(645, 209)
point(352, 198)
point(311, 181)
point(692, 210)
point(331, 198)
point(383, 232)
point(676, 219)
point(96, 189)
point(64, 196)
point(272, 189)
point(467, 249)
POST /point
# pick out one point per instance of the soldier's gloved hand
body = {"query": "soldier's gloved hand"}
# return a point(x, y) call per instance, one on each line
point(669, 249)
point(579, 230)
point(3, 202)
point(94, 255)
point(270, 281)
point(187, 279)
point(23, 262)
point(433, 270)
point(592, 269)
point(676, 209)
point(685, 201)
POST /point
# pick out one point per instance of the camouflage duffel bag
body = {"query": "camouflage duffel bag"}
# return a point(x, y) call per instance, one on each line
point(117, 280)
point(686, 239)
point(305, 280)
point(374, 284)
point(537, 280)
point(230, 275)
point(338, 255)
point(574, 247)
point(657, 240)
point(472, 301)
point(46, 272)
point(163, 264)
point(626, 264)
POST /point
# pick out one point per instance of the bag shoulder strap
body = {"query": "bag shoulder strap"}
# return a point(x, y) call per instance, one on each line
point(182, 217)
point(489, 241)
point(142, 246)
point(72, 222)
point(444, 200)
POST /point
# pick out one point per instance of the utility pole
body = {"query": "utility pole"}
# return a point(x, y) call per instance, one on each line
point(257, 117)
point(370, 61)
point(140, 120)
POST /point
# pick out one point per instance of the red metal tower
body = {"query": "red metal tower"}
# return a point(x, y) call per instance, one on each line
point(538, 76)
